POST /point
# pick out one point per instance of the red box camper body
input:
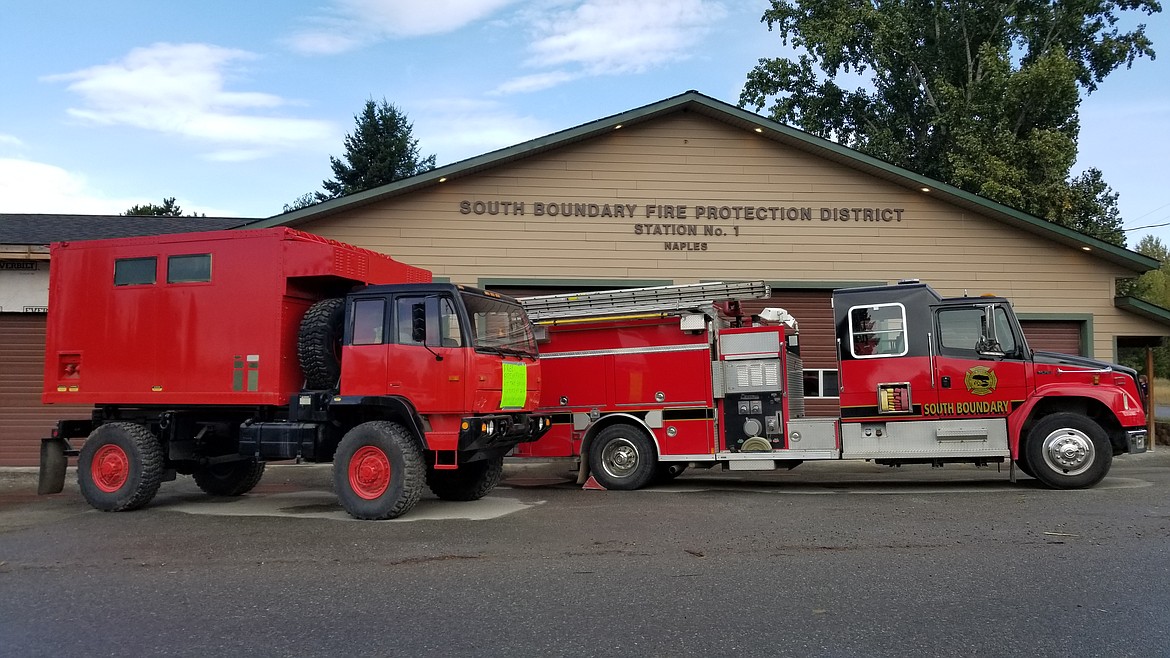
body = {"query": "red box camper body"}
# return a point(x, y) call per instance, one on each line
point(228, 340)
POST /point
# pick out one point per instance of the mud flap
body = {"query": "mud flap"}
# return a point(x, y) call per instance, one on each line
point(583, 470)
point(54, 461)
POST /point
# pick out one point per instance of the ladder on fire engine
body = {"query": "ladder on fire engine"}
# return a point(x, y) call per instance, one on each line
point(630, 301)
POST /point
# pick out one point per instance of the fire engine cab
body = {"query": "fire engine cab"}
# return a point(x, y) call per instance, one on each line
point(644, 382)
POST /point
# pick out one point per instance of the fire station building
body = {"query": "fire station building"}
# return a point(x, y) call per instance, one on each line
point(691, 189)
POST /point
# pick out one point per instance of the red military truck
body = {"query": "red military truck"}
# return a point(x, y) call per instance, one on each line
point(210, 354)
point(642, 383)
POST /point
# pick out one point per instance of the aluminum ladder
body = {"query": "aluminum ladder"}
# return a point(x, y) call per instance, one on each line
point(628, 301)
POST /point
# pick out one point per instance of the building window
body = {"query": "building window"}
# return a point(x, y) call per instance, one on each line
point(135, 271)
point(195, 268)
point(820, 383)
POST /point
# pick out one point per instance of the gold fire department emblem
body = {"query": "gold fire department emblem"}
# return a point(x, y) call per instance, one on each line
point(980, 380)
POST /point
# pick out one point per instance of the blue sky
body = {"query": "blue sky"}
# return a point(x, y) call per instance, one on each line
point(235, 107)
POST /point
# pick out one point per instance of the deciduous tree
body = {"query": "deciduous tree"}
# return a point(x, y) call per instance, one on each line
point(1153, 287)
point(168, 209)
point(980, 95)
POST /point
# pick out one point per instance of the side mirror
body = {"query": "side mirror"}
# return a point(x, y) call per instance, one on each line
point(418, 323)
point(989, 347)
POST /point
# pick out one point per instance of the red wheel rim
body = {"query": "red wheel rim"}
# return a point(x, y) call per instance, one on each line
point(369, 472)
point(110, 468)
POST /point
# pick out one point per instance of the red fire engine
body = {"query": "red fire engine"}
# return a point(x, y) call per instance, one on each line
point(642, 383)
point(211, 353)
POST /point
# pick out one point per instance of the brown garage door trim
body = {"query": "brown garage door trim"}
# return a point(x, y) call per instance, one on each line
point(1085, 320)
point(24, 421)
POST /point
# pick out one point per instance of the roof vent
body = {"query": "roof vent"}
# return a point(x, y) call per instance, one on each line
point(904, 282)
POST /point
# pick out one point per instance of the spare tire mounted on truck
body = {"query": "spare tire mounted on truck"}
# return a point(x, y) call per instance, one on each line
point(319, 343)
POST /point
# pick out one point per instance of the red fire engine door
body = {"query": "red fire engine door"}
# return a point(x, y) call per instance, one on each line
point(980, 370)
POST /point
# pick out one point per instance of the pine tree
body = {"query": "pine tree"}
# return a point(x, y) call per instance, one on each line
point(380, 150)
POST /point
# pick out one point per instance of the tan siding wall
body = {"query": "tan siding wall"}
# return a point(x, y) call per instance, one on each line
point(694, 161)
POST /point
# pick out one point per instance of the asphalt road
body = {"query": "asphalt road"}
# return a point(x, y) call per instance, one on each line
point(826, 560)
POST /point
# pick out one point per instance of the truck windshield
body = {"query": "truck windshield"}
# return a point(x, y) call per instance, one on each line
point(500, 325)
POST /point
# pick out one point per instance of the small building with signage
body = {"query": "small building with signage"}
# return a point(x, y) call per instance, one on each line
point(692, 189)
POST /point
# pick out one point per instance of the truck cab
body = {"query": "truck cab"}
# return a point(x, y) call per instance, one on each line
point(455, 350)
point(923, 378)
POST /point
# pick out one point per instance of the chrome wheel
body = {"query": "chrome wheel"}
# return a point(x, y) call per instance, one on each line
point(1068, 451)
point(620, 458)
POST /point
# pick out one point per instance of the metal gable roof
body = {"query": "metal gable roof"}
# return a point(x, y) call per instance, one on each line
point(693, 101)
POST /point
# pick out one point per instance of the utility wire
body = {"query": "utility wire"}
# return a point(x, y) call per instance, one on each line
point(1149, 213)
point(1137, 228)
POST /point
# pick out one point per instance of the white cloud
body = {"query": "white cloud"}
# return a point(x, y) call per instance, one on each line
point(354, 23)
point(458, 128)
point(27, 186)
point(607, 37)
point(35, 187)
point(10, 140)
point(180, 89)
point(535, 82)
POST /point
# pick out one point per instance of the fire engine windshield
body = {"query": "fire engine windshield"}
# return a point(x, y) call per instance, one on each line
point(500, 326)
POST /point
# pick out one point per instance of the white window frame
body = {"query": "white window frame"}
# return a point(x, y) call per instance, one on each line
point(820, 373)
point(853, 331)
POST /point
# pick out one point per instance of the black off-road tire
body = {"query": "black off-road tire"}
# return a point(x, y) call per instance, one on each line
point(1022, 462)
point(378, 471)
point(120, 467)
point(319, 343)
point(1068, 451)
point(622, 457)
point(469, 482)
point(229, 478)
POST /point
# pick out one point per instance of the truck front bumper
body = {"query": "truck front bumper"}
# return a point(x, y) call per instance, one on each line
point(1137, 441)
point(501, 431)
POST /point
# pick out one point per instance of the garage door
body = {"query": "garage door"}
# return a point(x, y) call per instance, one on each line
point(23, 419)
point(1063, 336)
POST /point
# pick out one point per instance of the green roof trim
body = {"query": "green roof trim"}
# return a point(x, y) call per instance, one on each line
point(1143, 308)
point(718, 110)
